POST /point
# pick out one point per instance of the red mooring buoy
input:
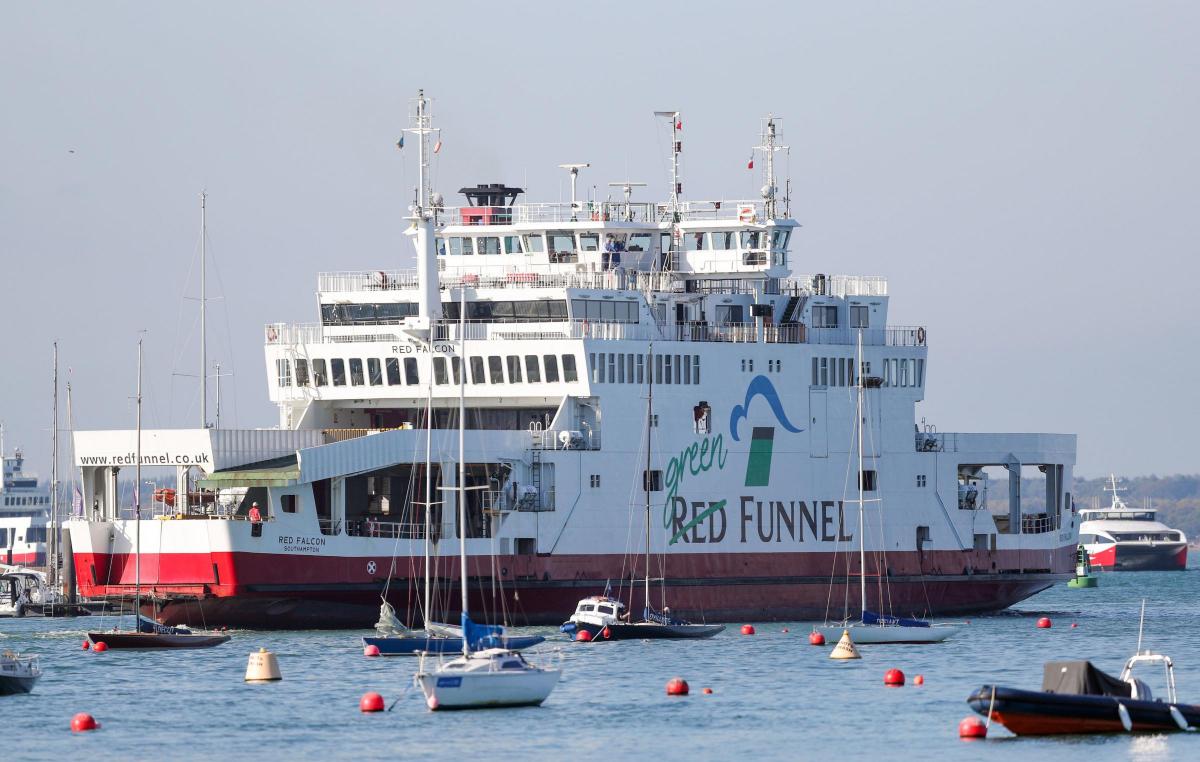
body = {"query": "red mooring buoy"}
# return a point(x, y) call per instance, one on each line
point(1044, 623)
point(86, 644)
point(893, 677)
point(815, 638)
point(370, 702)
point(583, 636)
point(100, 647)
point(83, 722)
point(971, 728)
point(747, 629)
point(677, 686)
point(919, 680)
point(371, 650)
point(707, 691)
point(1074, 625)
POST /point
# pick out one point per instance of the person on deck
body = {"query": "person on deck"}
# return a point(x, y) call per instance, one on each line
point(255, 514)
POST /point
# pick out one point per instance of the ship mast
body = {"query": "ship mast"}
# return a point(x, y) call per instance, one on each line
point(770, 191)
point(676, 149)
point(137, 505)
point(54, 531)
point(646, 479)
point(203, 310)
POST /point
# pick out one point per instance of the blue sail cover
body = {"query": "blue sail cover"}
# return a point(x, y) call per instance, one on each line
point(479, 636)
point(146, 624)
point(870, 617)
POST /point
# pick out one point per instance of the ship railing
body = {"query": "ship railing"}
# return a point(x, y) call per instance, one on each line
point(840, 286)
point(1039, 523)
point(586, 211)
point(372, 527)
point(513, 277)
point(564, 439)
point(892, 336)
point(751, 211)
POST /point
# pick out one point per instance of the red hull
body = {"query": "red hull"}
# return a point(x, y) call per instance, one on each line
point(291, 591)
point(1126, 558)
point(22, 559)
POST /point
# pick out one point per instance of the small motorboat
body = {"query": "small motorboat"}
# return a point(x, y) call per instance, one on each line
point(1076, 697)
point(18, 673)
point(604, 618)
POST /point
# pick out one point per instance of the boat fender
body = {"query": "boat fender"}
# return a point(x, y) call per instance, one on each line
point(1180, 720)
point(1126, 721)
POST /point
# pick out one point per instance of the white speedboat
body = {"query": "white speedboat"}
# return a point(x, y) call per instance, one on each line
point(24, 592)
point(1120, 538)
point(493, 677)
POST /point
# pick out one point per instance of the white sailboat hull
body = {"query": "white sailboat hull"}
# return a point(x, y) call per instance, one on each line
point(480, 690)
point(871, 634)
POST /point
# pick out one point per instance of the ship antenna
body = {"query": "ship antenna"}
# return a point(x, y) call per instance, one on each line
point(203, 310)
point(574, 170)
point(422, 122)
point(770, 190)
point(676, 149)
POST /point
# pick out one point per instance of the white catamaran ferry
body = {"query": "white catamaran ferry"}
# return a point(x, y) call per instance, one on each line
point(571, 310)
point(1121, 538)
point(24, 512)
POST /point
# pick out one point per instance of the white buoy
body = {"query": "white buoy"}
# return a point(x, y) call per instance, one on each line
point(262, 667)
point(845, 648)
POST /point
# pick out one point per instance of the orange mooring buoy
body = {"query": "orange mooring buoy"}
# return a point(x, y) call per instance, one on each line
point(747, 629)
point(370, 702)
point(1044, 623)
point(371, 650)
point(677, 686)
point(86, 644)
point(971, 728)
point(816, 638)
point(83, 722)
point(919, 680)
point(583, 636)
point(100, 647)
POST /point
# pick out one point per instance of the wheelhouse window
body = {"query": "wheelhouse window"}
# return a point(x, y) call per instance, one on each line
point(569, 372)
point(410, 371)
point(859, 316)
point(283, 371)
point(560, 241)
point(639, 242)
point(440, 376)
point(723, 240)
point(456, 368)
point(459, 246)
point(693, 241)
point(338, 368)
point(533, 244)
point(589, 242)
point(356, 371)
point(320, 376)
point(533, 372)
point(393, 371)
point(301, 372)
point(478, 376)
point(779, 239)
point(496, 369)
point(512, 244)
point(488, 244)
point(551, 363)
point(374, 372)
point(752, 239)
point(824, 316)
point(514, 369)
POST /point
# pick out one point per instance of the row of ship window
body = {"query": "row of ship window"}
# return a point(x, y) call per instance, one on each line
point(493, 369)
point(32, 535)
point(541, 310)
point(565, 240)
point(27, 500)
point(626, 368)
point(839, 371)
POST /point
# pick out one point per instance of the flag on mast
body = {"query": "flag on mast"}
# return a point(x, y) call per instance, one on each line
point(750, 164)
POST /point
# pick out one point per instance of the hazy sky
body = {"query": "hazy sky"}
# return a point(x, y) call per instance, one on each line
point(1024, 174)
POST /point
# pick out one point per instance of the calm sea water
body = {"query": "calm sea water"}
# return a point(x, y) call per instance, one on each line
point(774, 696)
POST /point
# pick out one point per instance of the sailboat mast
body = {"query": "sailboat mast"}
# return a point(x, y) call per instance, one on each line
point(462, 466)
point(137, 504)
point(646, 479)
point(862, 540)
point(203, 309)
point(428, 478)
point(54, 536)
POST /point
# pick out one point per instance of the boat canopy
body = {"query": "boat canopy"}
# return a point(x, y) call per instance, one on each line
point(1081, 678)
point(276, 472)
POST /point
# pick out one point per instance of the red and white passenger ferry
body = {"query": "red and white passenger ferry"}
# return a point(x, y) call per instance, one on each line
point(24, 512)
point(571, 310)
point(1120, 538)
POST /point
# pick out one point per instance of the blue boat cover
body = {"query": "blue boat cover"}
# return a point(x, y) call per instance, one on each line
point(481, 636)
point(870, 617)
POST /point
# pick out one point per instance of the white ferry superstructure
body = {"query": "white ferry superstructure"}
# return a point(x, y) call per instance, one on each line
point(24, 513)
point(571, 308)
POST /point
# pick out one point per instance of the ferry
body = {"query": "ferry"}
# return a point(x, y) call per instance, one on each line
point(24, 513)
point(1120, 538)
point(551, 321)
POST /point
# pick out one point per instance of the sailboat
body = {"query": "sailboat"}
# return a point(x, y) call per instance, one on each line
point(395, 639)
point(601, 616)
point(147, 632)
point(491, 677)
point(876, 627)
